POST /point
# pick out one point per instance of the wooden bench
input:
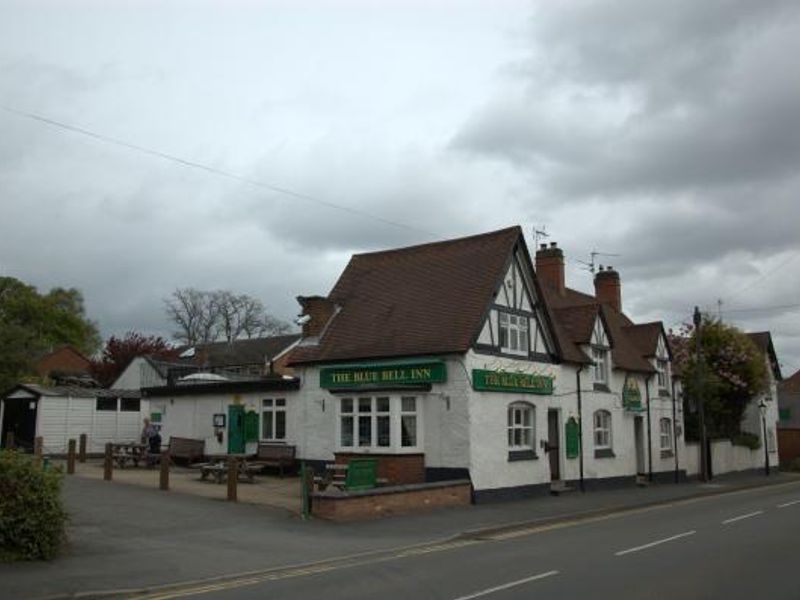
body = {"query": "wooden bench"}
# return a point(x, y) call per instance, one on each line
point(186, 449)
point(277, 456)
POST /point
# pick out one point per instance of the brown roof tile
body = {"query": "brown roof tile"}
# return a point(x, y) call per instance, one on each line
point(426, 299)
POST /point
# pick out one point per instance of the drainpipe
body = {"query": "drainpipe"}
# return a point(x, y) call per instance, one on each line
point(675, 433)
point(580, 426)
point(649, 431)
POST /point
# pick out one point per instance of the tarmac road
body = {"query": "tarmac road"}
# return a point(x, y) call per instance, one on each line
point(738, 545)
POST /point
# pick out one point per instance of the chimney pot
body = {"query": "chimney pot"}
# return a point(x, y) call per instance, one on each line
point(550, 267)
point(608, 289)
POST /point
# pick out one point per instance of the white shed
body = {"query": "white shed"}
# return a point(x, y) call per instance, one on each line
point(59, 414)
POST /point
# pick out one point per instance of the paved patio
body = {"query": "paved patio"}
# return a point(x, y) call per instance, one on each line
point(266, 490)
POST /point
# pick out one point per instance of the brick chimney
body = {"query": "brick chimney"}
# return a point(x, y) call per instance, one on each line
point(317, 311)
point(607, 287)
point(550, 266)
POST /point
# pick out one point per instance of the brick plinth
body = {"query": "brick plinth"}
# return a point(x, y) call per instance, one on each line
point(397, 469)
point(383, 502)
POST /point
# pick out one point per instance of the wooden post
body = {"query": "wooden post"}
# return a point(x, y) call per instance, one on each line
point(71, 457)
point(163, 482)
point(108, 464)
point(82, 448)
point(38, 442)
point(10, 440)
point(233, 478)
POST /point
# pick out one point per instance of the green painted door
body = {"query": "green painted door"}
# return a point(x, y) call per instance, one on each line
point(235, 429)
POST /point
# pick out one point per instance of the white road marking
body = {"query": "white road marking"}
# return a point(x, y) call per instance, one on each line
point(506, 586)
point(656, 543)
point(740, 517)
point(785, 504)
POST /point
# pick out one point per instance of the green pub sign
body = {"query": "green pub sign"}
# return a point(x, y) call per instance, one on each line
point(632, 396)
point(500, 381)
point(404, 373)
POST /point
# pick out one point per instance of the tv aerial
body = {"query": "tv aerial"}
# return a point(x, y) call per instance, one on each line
point(591, 266)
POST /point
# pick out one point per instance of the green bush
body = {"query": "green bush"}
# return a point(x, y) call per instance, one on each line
point(32, 518)
point(749, 440)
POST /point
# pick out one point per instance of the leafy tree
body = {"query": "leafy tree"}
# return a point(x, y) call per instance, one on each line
point(32, 323)
point(207, 316)
point(731, 372)
point(119, 352)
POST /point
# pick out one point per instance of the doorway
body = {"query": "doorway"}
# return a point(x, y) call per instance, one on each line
point(553, 444)
point(19, 418)
point(235, 429)
point(638, 434)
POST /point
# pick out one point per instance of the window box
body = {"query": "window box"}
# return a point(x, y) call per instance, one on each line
point(667, 454)
point(601, 387)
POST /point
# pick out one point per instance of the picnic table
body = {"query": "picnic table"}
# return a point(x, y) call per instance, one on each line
point(217, 469)
point(128, 453)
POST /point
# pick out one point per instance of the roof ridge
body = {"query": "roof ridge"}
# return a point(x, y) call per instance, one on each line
point(426, 245)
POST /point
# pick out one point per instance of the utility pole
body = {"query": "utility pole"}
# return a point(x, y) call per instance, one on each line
point(698, 320)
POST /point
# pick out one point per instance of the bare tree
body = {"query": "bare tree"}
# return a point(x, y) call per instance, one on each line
point(206, 316)
point(194, 312)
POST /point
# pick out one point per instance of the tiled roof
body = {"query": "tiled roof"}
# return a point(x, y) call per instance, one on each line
point(237, 352)
point(427, 299)
point(575, 313)
point(790, 385)
point(645, 336)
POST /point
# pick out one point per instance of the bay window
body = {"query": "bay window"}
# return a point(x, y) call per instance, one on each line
point(378, 423)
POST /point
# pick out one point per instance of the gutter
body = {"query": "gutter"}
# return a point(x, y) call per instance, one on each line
point(649, 431)
point(580, 426)
point(675, 433)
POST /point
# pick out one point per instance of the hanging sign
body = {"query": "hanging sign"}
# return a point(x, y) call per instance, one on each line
point(401, 373)
point(632, 396)
point(522, 383)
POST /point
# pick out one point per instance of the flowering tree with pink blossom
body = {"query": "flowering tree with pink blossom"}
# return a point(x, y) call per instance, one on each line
point(730, 374)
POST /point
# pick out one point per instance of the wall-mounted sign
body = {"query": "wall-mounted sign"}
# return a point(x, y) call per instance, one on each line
point(219, 420)
point(632, 396)
point(522, 383)
point(573, 438)
point(383, 374)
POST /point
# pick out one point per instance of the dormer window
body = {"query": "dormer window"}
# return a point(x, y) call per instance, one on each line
point(600, 354)
point(662, 367)
point(513, 335)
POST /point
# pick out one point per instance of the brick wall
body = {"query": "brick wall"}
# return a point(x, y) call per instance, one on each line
point(397, 469)
point(382, 502)
point(788, 445)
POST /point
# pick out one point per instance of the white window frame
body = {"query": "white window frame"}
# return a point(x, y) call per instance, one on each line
point(604, 429)
point(665, 434)
point(516, 423)
point(662, 366)
point(517, 333)
point(600, 358)
point(373, 410)
point(273, 406)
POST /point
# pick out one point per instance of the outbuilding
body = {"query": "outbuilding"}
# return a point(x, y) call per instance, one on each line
point(58, 414)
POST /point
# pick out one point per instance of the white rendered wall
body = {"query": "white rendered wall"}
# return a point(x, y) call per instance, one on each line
point(193, 416)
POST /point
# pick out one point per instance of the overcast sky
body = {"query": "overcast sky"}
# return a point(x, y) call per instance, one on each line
point(665, 132)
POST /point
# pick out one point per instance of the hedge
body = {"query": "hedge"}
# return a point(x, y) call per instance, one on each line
point(32, 518)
